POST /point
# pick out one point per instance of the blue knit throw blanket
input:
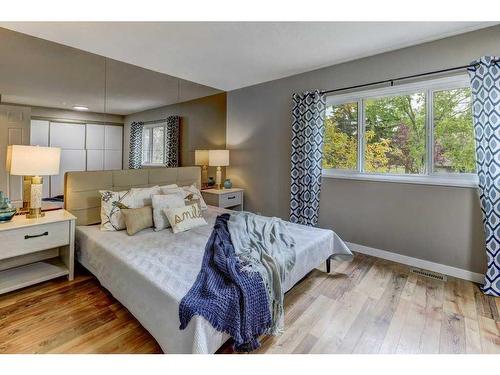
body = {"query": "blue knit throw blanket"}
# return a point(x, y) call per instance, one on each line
point(233, 301)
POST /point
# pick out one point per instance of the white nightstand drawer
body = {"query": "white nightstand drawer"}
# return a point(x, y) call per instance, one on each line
point(224, 198)
point(230, 199)
point(33, 238)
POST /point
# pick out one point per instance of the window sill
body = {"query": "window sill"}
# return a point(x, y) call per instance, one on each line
point(469, 181)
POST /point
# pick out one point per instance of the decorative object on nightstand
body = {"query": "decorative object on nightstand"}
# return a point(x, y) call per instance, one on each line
point(211, 182)
point(227, 183)
point(34, 161)
point(201, 159)
point(6, 209)
point(218, 158)
point(225, 198)
point(36, 250)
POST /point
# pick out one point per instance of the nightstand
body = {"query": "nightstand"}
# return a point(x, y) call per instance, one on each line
point(225, 198)
point(36, 250)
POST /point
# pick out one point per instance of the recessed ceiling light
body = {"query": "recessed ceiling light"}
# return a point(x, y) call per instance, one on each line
point(80, 108)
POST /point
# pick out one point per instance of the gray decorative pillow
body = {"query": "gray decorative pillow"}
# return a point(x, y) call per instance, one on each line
point(142, 196)
point(161, 202)
point(112, 202)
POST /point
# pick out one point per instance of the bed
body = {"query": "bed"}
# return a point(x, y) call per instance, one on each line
point(150, 272)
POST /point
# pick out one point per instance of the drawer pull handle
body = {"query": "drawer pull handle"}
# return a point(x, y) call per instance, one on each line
point(27, 237)
point(234, 196)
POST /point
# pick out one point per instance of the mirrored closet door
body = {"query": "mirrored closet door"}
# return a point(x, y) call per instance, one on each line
point(84, 147)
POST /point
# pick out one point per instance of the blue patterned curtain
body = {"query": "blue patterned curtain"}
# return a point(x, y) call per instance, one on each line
point(135, 153)
point(485, 83)
point(308, 115)
point(172, 141)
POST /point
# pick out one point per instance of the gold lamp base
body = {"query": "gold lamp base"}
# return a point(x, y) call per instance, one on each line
point(35, 213)
point(218, 178)
point(35, 202)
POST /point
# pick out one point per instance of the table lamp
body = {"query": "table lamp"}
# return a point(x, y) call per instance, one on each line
point(34, 161)
point(218, 158)
point(201, 159)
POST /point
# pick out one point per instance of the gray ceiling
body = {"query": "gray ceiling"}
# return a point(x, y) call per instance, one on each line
point(37, 72)
point(231, 55)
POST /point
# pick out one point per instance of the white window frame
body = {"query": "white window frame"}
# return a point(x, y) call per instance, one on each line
point(429, 177)
point(151, 126)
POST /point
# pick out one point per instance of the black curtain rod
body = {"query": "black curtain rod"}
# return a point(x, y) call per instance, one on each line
point(391, 81)
point(158, 121)
point(154, 121)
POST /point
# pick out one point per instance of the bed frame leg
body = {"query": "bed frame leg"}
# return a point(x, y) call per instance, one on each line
point(328, 265)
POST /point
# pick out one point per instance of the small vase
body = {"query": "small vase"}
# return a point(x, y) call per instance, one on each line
point(7, 212)
point(228, 184)
point(211, 182)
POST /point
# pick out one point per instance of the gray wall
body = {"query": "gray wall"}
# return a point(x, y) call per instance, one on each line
point(439, 224)
point(203, 126)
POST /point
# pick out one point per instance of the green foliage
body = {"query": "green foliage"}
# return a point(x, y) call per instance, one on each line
point(453, 132)
point(395, 135)
point(340, 142)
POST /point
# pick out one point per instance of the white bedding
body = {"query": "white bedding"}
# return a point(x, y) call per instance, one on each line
point(150, 272)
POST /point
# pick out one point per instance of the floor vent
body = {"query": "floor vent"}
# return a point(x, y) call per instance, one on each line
point(429, 274)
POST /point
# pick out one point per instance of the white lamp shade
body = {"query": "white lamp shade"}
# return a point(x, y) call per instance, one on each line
point(33, 160)
point(201, 157)
point(218, 158)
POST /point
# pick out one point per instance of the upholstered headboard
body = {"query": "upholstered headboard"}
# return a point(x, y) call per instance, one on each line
point(81, 189)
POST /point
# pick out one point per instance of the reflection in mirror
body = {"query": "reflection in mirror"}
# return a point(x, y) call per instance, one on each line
point(59, 96)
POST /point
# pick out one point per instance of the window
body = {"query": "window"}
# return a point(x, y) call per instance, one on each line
point(453, 132)
point(419, 132)
point(395, 134)
point(153, 145)
point(341, 137)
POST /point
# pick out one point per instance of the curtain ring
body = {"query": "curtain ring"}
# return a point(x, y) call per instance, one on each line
point(473, 67)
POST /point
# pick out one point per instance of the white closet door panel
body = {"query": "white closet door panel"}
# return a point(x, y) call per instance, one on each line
point(71, 160)
point(67, 136)
point(15, 192)
point(39, 135)
point(95, 137)
point(95, 160)
point(112, 159)
point(57, 185)
point(113, 137)
point(46, 187)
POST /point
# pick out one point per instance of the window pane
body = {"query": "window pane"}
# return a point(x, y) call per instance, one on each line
point(340, 148)
point(453, 132)
point(146, 139)
point(158, 145)
point(395, 134)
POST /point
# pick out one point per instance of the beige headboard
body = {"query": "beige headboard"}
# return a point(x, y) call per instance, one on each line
point(81, 189)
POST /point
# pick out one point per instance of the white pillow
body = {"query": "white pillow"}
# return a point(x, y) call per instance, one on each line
point(184, 218)
point(187, 190)
point(142, 196)
point(168, 186)
point(160, 202)
point(196, 195)
point(111, 204)
point(170, 189)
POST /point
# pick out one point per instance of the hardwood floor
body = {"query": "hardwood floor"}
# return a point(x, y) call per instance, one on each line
point(367, 306)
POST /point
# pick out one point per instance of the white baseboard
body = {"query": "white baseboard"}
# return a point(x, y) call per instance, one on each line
point(420, 263)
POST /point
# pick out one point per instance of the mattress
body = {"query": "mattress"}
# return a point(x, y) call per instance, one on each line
point(150, 272)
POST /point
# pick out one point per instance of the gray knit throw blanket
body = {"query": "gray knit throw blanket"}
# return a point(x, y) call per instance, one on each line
point(264, 245)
